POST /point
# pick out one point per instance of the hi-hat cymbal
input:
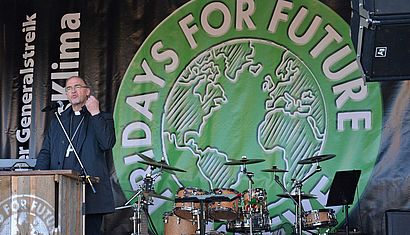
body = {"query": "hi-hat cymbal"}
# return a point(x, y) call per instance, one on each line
point(274, 169)
point(295, 196)
point(243, 161)
point(153, 194)
point(145, 158)
point(162, 165)
point(318, 158)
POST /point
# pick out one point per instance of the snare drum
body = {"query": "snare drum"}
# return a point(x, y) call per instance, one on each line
point(185, 209)
point(319, 218)
point(224, 211)
point(255, 202)
point(173, 225)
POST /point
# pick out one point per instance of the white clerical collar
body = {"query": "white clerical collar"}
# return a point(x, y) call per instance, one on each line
point(77, 113)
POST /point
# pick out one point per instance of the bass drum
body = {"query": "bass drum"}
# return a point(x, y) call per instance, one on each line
point(323, 218)
point(173, 225)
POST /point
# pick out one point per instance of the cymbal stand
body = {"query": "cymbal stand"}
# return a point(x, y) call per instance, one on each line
point(250, 182)
point(298, 206)
point(137, 207)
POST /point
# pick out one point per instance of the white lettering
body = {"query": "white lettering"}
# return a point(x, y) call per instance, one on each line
point(278, 14)
point(244, 15)
point(163, 56)
point(354, 117)
point(189, 31)
point(310, 32)
point(333, 59)
point(141, 103)
point(128, 141)
point(355, 90)
point(149, 76)
point(226, 21)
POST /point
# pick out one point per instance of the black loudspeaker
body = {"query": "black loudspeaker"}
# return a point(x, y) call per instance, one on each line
point(398, 222)
point(380, 31)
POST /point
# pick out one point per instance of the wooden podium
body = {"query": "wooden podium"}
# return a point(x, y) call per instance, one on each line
point(40, 202)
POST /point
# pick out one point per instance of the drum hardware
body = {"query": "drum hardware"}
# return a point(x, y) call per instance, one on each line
point(142, 200)
point(203, 200)
point(298, 192)
point(254, 214)
point(244, 161)
point(298, 196)
point(145, 192)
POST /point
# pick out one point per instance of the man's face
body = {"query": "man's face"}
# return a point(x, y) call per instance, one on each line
point(77, 91)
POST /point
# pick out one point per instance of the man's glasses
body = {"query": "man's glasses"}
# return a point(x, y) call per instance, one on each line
point(75, 87)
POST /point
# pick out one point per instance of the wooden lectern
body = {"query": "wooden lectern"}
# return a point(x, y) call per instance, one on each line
point(40, 202)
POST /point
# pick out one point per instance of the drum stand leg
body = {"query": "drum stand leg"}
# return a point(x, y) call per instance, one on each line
point(136, 216)
point(200, 218)
point(136, 219)
point(299, 210)
point(250, 175)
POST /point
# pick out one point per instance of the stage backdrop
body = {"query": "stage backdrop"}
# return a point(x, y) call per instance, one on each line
point(199, 83)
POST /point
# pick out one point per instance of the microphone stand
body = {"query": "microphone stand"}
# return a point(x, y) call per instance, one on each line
point(86, 176)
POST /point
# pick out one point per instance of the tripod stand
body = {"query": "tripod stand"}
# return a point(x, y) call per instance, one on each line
point(143, 195)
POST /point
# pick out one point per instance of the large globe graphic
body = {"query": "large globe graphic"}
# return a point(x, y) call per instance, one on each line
point(245, 97)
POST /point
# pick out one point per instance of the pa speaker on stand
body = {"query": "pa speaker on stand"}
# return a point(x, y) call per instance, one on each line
point(380, 32)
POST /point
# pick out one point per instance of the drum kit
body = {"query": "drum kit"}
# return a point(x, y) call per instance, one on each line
point(242, 212)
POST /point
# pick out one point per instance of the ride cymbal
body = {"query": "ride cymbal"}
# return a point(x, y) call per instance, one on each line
point(162, 165)
point(318, 158)
point(274, 169)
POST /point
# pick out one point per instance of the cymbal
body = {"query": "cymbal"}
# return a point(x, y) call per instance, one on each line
point(162, 165)
point(274, 169)
point(145, 157)
point(243, 161)
point(153, 194)
point(148, 159)
point(295, 196)
point(318, 158)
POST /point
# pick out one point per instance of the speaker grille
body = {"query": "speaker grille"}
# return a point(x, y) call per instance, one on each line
point(398, 222)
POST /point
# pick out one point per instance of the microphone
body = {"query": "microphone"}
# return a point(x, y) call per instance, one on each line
point(53, 106)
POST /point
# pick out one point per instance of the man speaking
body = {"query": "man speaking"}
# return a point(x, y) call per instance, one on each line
point(92, 134)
